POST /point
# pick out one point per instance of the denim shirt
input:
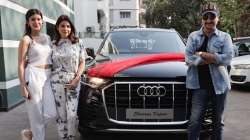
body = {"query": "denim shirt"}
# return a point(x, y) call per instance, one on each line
point(220, 44)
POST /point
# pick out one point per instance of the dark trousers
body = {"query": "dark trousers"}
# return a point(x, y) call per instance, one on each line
point(200, 99)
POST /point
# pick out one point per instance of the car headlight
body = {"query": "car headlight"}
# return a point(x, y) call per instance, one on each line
point(242, 66)
point(96, 82)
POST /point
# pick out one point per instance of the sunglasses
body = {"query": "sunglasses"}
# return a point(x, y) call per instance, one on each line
point(210, 16)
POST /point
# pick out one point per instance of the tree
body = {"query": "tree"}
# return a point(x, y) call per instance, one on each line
point(230, 13)
point(184, 15)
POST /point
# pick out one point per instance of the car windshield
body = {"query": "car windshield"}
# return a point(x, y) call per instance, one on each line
point(133, 42)
point(242, 47)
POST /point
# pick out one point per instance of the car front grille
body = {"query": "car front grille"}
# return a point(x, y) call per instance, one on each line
point(238, 78)
point(118, 97)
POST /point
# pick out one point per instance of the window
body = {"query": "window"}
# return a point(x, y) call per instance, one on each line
point(125, 14)
point(108, 48)
point(148, 42)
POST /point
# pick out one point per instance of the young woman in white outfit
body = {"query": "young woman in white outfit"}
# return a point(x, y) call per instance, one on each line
point(67, 68)
point(34, 69)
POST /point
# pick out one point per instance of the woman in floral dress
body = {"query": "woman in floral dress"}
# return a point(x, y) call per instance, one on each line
point(67, 68)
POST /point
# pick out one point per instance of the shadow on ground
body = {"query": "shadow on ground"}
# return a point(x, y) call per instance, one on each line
point(242, 88)
point(133, 137)
point(144, 136)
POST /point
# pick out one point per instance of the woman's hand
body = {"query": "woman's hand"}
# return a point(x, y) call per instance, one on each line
point(73, 83)
point(25, 92)
point(22, 63)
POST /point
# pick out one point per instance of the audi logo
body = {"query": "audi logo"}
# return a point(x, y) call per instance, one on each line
point(153, 91)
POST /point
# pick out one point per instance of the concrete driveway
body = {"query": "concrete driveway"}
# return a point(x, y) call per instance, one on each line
point(237, 124)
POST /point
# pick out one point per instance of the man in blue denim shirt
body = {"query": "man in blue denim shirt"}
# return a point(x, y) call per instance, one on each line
point(208, 53)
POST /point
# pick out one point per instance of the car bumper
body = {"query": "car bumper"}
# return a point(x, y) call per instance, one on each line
point(240, 76)
point(93, 118)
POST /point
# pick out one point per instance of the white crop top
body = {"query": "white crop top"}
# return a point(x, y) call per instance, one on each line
point(39, 52)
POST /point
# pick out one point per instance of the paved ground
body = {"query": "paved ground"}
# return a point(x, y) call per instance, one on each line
point(237, 116)
point(237, 121)
point(12, 122)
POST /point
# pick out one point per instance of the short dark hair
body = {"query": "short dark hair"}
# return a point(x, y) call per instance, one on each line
point(28, 14)
point(72, 37)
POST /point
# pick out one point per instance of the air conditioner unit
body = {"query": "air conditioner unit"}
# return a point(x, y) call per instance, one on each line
point(90, 29)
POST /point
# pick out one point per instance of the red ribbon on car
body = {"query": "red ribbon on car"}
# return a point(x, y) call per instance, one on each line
point(109, 69)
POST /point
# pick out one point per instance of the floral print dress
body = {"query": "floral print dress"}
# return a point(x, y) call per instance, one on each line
point(65, 62)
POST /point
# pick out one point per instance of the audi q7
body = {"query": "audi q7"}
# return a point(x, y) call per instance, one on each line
point(130, 89)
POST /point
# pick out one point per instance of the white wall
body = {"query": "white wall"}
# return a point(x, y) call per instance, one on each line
point(86, 15)
point(118, 6)
point(126, 4)
point(104, 5)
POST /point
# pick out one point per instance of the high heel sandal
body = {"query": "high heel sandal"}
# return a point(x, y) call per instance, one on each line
point(26, 134)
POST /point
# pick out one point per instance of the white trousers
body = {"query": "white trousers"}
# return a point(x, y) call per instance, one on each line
point(66, 103)
point(41, 107)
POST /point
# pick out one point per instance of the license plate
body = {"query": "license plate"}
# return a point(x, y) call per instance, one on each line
point(149, 114)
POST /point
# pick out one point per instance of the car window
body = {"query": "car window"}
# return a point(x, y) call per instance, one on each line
point(242, 47)
point(92, 43)
point(108, 47)
point(131, 42)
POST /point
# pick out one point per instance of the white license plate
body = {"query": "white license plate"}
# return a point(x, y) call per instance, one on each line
point(149, 113)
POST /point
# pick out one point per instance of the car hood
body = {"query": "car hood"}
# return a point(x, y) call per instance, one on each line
point(169, 69)
point(164, 69)
point(241, 60)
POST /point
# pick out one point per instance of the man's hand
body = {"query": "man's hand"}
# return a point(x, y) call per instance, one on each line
point(207, 57)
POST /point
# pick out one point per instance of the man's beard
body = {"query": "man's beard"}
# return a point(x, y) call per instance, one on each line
point(209, 24)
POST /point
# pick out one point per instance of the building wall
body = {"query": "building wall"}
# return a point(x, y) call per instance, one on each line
point(118, 21)
point(125, 4)
point(118, 6)
point(103, 5)
point(101, 15)
point(12, 21)
point(86, 16)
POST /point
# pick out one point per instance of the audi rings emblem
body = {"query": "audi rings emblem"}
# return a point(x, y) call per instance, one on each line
point(151, 91)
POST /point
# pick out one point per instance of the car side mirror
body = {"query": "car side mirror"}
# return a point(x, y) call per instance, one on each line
point(90, 52)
